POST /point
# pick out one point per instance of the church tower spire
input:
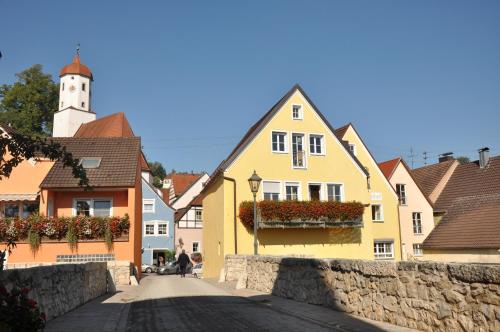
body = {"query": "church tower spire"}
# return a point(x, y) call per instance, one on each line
point(74, 98)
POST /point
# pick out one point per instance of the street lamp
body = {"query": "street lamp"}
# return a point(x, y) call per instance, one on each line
point(254, 182)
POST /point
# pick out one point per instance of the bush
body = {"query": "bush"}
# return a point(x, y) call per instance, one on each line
point(18, 312)
point(288, 211)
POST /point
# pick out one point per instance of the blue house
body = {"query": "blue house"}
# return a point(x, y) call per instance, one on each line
point(157, 225)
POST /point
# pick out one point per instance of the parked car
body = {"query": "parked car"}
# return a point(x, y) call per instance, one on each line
point(148, 268)
point(198, 270)
point(172, 268)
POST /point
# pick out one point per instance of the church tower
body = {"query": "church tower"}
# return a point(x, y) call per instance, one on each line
point(74, 98)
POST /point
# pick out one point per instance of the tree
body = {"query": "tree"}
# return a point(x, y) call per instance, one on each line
point(30, 103)
point(463, 160)
point(158, 172)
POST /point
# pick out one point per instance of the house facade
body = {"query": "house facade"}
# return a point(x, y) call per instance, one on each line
point(415, 209)
point(296, 152)
point(157, 225)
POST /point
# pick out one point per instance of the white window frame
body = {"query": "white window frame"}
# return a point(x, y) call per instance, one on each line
point(305, 149)
point(321, 190)
point(285, 134)
point(342, 194)
point(280, 194)
point(158, 228)
point(156, 224)
point(352, 148)
point(418, 225)
point(322, 145)
point(149, 201)
point(293, 183)
point(301, 112)
point(418, 251)
point(196, 214)
point(91, 210)
point(381, 213)
point(403, 185)
point(383, 256)
point(192, 246)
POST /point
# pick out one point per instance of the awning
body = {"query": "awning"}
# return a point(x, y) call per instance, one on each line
point(19, 197)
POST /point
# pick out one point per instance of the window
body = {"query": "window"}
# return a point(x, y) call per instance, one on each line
point(83, 207)
point(377, 212)
point(102, 208)
point(62, 103)
point(417, 249)
point(148, 205)
point(299, 156)
point(401, 191)
point(334, 192)
point(375, 196)
point(383, 249)
point(197, 215)
point(83, 86)
point(316, 144)
point(29, 209)
point(72, 77)
point(279, 142)
point(292, 191)
point(83, 104)
point(297, 112)
point(162, 229)
point(352, 148)
point(150, 229)
point(88, 163)
point(11, 210)
point(417, 222)
point(62, 87)
point(99, 207)
point(271, 190)
point(196, 246)
point(314, 192)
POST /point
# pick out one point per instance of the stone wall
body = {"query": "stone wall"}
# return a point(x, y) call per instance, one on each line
point(59, 288)
point(429, 296)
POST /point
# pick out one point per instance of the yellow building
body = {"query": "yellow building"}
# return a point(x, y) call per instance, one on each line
point(299, 156)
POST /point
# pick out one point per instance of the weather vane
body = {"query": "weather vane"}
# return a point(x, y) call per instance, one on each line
point(78, 49)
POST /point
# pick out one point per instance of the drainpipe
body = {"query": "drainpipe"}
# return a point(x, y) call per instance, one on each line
point(234, 214)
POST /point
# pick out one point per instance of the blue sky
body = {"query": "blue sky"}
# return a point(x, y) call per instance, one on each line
point(192, 77)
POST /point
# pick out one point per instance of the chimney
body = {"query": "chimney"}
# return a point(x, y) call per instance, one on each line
point(445, 156)
point(484, 157)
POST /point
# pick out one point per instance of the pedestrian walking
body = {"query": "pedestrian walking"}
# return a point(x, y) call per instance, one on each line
point(183, 261)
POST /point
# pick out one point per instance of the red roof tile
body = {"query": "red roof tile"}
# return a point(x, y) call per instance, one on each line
point(114, 125)
point(182, 181)
point(471, 200)
point(388, 167)
point(428, 177)
point(77, 68)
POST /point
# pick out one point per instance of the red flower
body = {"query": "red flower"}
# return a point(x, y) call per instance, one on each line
point(31, 303)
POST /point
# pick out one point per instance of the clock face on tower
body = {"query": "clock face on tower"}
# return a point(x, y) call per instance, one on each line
point(72, 88)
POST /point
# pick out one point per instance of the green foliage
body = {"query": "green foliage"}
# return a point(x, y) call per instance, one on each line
point(30, 103)
point(169, 255)
point(158, 172)
point(463, 160)
point(18, 312)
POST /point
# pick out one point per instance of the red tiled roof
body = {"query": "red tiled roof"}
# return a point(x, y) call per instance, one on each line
point(114, 125)
point(77, 68)
point(471, 200)
point(340, 132)
point(388, 167)
point(182, 181)
point(118, 166)
point(428, 177)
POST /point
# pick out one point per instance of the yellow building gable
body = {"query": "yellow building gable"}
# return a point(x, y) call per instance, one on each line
point(295, 151)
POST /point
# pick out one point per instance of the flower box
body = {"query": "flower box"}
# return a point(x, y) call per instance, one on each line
point(303, 214)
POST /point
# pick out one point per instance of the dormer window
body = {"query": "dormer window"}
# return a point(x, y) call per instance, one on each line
point(89, 163)
point(297, 112)
point(352, 148)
